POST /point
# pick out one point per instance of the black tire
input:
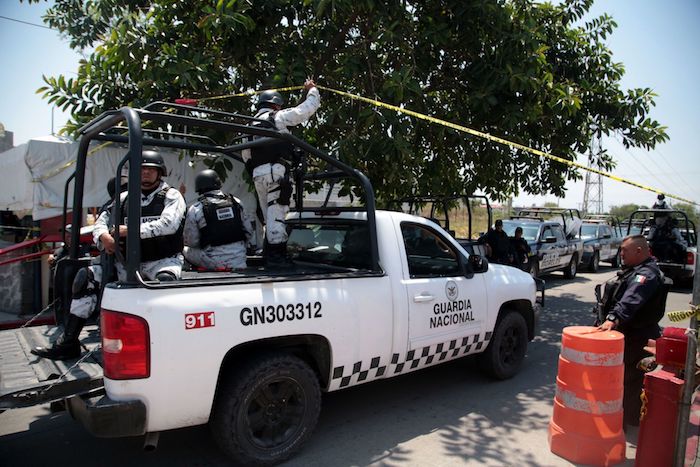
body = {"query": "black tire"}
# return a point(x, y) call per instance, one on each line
point(534, 268)
point(266, 411)
point(572, 268)
point(505, 353)
point(615, 262)
point(594, 265)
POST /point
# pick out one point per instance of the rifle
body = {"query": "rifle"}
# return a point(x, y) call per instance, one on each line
point(598, 307)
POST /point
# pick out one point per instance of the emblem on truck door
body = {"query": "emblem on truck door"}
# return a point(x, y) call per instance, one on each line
point(451, 291)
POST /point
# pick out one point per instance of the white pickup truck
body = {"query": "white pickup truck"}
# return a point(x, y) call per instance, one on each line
point(370, 295)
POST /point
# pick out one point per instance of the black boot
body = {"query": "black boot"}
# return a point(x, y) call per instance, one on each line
point(67, 346)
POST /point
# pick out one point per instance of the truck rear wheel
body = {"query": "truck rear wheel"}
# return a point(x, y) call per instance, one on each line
point(534, 268)
point(615, 262)
point(267, 410)
point(506, 350)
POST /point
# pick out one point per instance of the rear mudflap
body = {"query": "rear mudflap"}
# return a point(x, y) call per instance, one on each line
point(27, 380)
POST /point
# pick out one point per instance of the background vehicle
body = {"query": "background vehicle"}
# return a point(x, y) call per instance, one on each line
point(552, 248)
point(602, 237)
point(676, 259)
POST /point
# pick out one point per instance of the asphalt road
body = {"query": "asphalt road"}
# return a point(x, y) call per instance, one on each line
point(449, 415)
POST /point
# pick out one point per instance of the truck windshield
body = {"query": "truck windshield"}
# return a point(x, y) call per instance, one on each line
point(588, 232)
point(529, 231)
point(345, 245)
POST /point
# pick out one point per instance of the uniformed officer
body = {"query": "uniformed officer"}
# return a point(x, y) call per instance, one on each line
point(162, 224)
point(84, 293)
point(216, 227)
point(499, 243)
point(267, 164)
point(637, 301)
point(660, 202)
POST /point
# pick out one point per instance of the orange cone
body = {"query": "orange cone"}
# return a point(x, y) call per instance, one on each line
point(586, 425)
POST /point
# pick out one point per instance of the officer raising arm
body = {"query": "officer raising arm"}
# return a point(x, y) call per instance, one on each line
point(216, 227)
point(637, 303)
point(269, 172)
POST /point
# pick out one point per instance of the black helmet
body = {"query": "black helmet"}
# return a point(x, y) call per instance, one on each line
point(112, 187)
point(270, 97)
point(660, 197)
point(206, 180)
point(153, 159)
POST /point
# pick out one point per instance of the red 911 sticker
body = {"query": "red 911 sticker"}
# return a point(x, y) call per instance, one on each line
point(199, 320)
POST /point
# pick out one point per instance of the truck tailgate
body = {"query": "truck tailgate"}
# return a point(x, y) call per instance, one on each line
point(27, 380)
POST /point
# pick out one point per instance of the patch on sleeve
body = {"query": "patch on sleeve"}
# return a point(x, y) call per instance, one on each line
point(640, 279)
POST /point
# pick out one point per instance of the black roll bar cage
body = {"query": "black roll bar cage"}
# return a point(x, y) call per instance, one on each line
point(648, 216)
point(102, 129)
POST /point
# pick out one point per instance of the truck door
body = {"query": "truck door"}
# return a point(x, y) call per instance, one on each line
point(563, 248)
point(446, 309)
point(606, 251)
point(549, 252)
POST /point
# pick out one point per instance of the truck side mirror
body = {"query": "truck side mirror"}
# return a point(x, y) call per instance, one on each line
point(607, 236)
point(476, 264)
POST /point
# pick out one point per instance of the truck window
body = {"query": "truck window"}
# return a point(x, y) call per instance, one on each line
point(427, 253)
point(344, 244)
point(559, 233)
point(546, 232)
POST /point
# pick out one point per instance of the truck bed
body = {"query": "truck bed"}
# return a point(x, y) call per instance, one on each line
point(27, 380)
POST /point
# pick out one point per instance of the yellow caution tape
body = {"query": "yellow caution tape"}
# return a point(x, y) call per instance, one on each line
point(677, 316)
point(447, 124)
point(464, 129)
point(251, 92)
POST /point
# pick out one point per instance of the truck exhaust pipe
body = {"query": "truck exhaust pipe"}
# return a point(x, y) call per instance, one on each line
point(150, 443)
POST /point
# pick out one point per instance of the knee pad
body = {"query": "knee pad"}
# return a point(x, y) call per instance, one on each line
point(81, 283)
point(165, 276)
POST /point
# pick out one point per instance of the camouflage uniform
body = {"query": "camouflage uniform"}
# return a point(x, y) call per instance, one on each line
point(267, 176)
point(229, 255)
point(168, 223)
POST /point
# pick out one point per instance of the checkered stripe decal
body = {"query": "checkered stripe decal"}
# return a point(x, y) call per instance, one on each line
point(363, 371)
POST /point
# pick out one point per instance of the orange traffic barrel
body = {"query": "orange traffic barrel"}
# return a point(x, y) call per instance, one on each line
point(586, 425)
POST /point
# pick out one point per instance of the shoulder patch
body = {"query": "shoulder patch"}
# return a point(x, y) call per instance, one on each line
point(640, 279)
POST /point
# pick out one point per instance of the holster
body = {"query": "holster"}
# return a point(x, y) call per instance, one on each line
point(286, 189)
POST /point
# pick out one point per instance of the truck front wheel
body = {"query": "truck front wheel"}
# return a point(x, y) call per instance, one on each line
point(267, 410)
point(572, 268)
point(506, 350)
point(594, 265)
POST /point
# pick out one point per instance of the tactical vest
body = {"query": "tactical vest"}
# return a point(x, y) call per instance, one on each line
point(160, 247)
point(649, 314)
point(271, 153)
point(224, 223)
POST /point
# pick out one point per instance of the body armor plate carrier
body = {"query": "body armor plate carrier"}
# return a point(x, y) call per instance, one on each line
point(224, 224)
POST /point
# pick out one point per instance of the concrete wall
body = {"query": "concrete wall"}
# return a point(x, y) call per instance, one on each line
point(17, 284)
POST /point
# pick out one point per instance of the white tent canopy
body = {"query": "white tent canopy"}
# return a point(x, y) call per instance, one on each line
point(35, 173)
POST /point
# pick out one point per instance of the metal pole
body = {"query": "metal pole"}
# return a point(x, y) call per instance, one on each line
point(689, 385)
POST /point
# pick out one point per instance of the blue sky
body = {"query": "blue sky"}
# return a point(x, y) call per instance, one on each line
point(657, 42)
